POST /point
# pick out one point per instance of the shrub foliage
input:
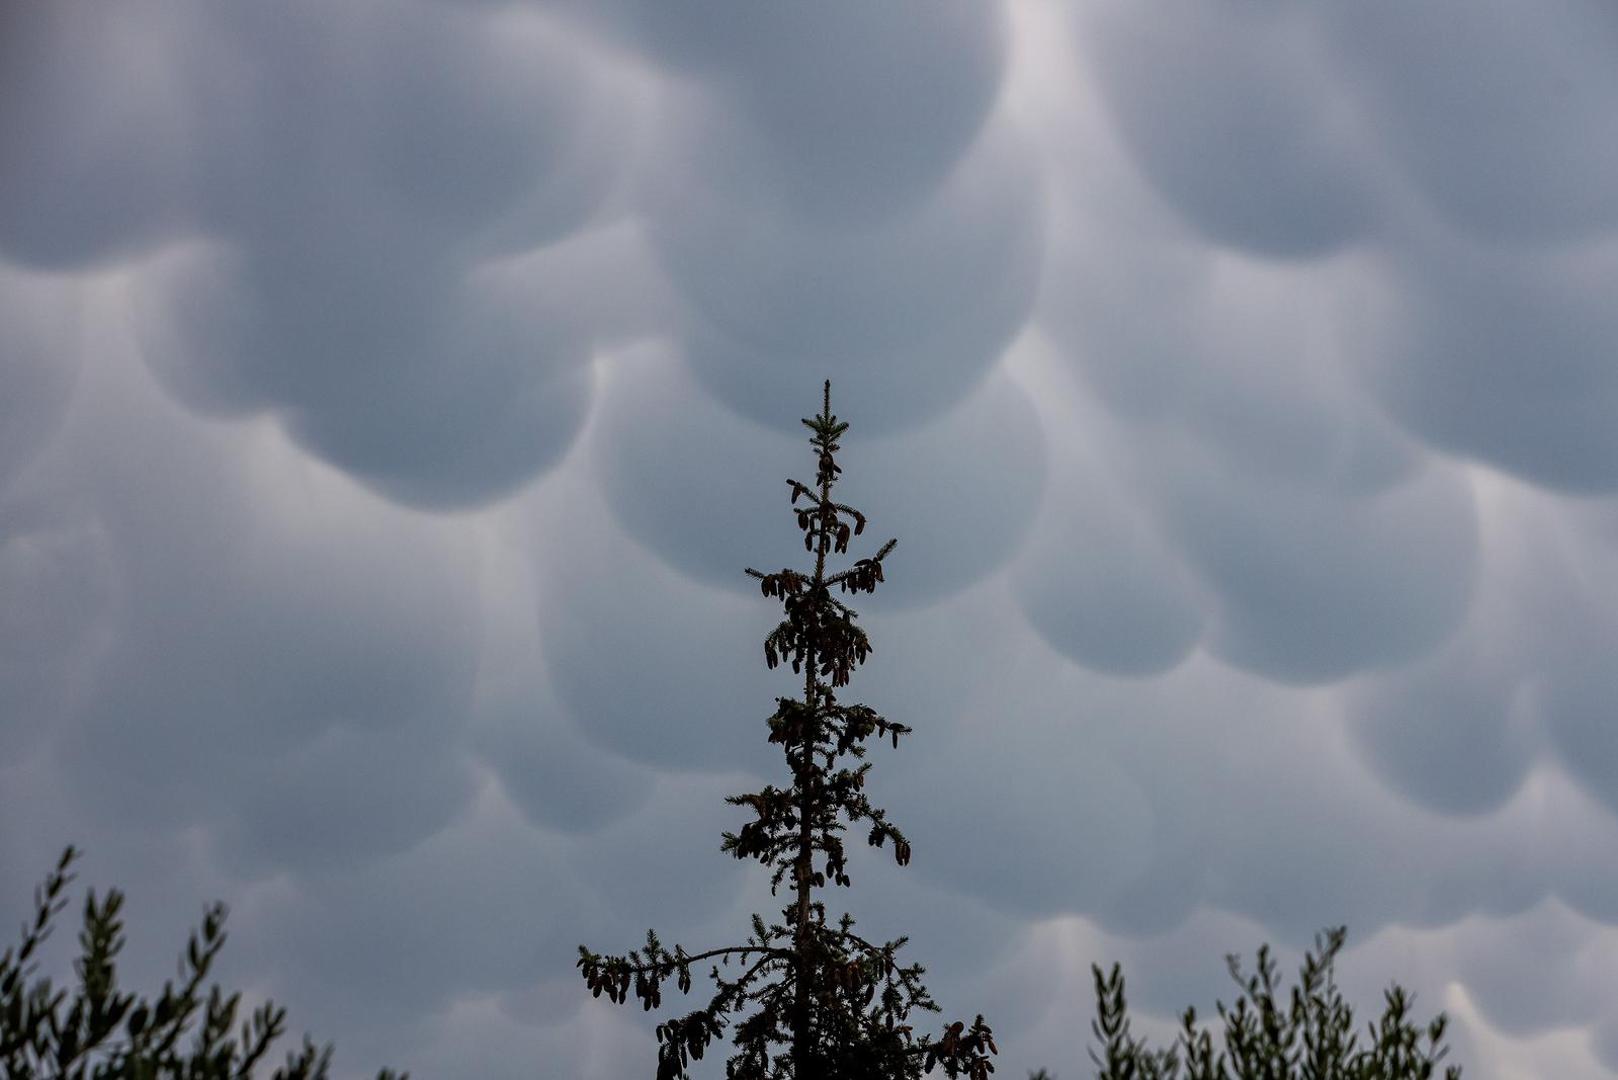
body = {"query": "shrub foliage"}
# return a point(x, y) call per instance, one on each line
point(105, 1033)
point(1268, 1035)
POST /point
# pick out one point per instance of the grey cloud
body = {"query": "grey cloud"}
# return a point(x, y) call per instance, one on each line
point(1312, 588)
point(342, 797)
point(940, 285)
point(402, 936)
point(1503, 122)
point(1604, 1042)
point(548, 769)
point(1098, 583)
point(56, 586)
point(984, 460)
point(39, 361)
point(1244, 360)
point(1546, 973)
point(436, 393)
point(1452, 733)
point(1137, 778)
point(629, 663)
point(1269, 474)
point(1229, 118)
point(292, 666)
point(608, 608)
point(631, 864)
point(1576, 695)
point(1526, 335)
point(320, 121)
point(1460, 731)
point(1582, 830)
point(1090, 814)
point(851, 111)
point(594, 260)
point(55, 568)
point(95, 148)
point(369, 301)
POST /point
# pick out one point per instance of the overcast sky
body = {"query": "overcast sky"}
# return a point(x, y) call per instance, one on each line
point(393, 391)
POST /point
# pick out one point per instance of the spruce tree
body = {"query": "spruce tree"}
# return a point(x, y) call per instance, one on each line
point(837, 1002)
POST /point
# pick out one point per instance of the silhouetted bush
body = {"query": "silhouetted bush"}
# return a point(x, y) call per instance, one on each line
point(104, 1033)
point(1307, 1036)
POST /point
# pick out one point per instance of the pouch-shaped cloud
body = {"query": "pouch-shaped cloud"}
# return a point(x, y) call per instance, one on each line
point(853, 110)
point(627, 632)
point(355, 174)
point(982, 462)
point(625, 641)
point(438, 389)
point(907, 312)
point(1228, 116)
point(254, 666)
point(1313, 587)
point(1098, 583)
point(1252, 359)
point(56, 585)
point(1294, 501)
point(408, 934)
point(594, 258)
point(95, 150)
point(1500, 355)
point(1090, 814)
point(39, 360)
point(1501, 114)
point(1579, 683)
point(556, 777)
point(1453, 733)
point(460, 132)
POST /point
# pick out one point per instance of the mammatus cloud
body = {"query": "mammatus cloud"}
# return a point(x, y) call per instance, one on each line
point(394, 393)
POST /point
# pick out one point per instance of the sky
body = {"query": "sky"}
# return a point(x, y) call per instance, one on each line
point(395, 390)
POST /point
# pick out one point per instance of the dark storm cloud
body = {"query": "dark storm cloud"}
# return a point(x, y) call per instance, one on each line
point(1499, 113)
point(906, 313)
point(96, 146)
point(353, 174)
point(630, 664)
point(1127, 607)
point(38, 354)
point(53, 556)
point(960, 492)
point(1224, 376)
point(851, 111)
point(1269, 476)
point(256, 663)
point(1132, 781)
point(442, 394)
point(1501, 355)
point(556, 776)
point(1450, 732)
point(1312, 588)
point(1228, 117)
point(55, 581)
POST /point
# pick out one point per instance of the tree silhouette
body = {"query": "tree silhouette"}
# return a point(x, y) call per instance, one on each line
point(109, 1034)
point(1311, 1037)
point(837, 1001)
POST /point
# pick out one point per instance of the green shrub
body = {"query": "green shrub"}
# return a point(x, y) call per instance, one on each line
point(104, 1033)
point(1308, 1035)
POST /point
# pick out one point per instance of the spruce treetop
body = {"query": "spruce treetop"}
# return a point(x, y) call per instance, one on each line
point(836, 1003)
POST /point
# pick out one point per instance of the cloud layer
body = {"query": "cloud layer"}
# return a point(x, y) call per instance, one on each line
point(395, 393)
